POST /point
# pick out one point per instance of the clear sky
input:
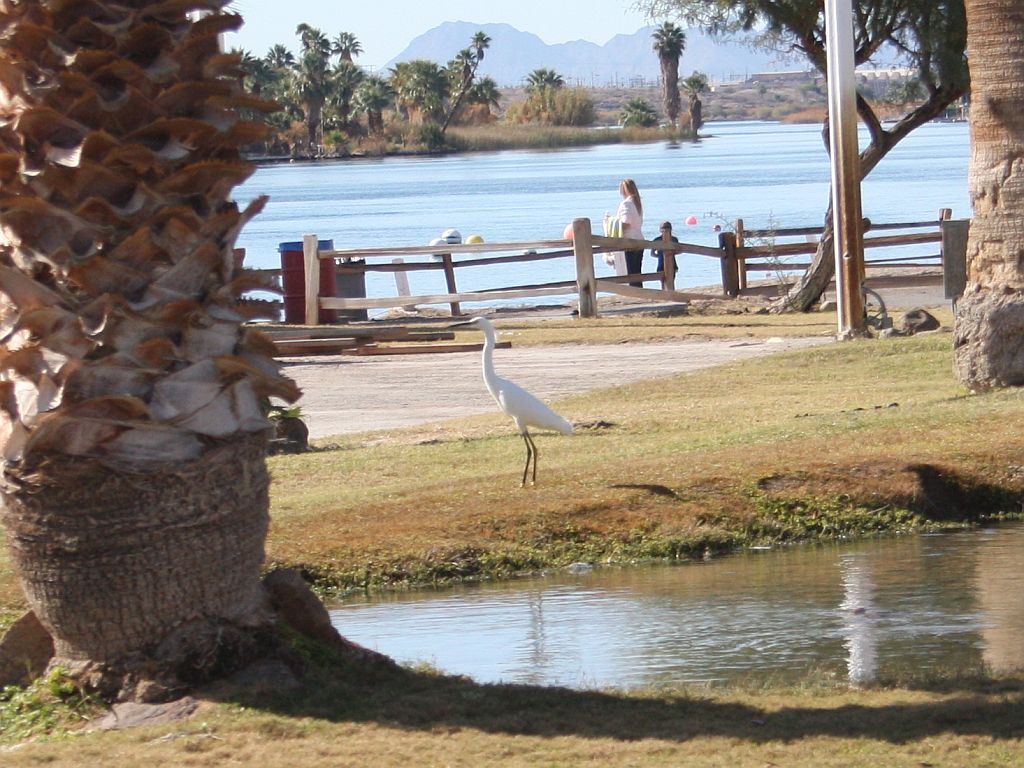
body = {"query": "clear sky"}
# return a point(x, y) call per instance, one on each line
point(386, 27)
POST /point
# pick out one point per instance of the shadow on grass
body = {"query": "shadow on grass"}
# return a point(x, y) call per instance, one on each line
point(425, 700)
point(946, 495)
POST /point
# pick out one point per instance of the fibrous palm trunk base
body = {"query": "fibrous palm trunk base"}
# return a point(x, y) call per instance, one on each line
point(145, 578)
point(987, 340)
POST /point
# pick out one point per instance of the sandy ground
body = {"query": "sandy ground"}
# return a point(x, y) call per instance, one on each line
point(350, 394)
point(344, 394)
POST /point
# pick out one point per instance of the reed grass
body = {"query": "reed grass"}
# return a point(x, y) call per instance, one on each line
point(497, 137)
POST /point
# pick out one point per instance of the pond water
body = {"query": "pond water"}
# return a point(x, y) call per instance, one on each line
point(944, 602)
point(768, 174)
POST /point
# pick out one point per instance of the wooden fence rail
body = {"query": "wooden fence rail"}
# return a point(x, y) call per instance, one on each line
point(739, 252)
point(768, 254)
point(583, 247)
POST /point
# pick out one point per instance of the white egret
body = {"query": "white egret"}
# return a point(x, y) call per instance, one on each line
point(525, 409)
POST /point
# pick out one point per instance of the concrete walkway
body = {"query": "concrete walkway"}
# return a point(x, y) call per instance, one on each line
point(355, 394)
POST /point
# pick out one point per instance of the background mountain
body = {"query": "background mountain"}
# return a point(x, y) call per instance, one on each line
point(626, 59)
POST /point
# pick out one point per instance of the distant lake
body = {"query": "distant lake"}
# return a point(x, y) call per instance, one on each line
point(768, 174)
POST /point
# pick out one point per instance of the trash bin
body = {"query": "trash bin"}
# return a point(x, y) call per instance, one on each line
point(293, 281)
point(350, 285)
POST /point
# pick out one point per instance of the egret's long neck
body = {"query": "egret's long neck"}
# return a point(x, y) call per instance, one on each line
point(490, 377)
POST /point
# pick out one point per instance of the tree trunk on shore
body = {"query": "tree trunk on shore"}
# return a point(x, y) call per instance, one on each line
point(809, 288)
point(989, 334)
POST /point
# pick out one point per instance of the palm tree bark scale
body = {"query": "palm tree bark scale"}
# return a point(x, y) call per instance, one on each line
point(96, 561)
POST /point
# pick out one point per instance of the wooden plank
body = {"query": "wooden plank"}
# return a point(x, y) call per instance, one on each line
point(441, 298)
point(954, 257)
point(775, 251)
point(655, 294)
point(902, 281)
point(869, 226)
point(413, 266)
point(316, 343)
point(449, 279)
point(780, 267)
point(780, 250)
point(700, 250)
point(906, 261)
point(585, 281)
point(312, 264)
point(731, 264)
point(781, 232)
point(381, 333)
point(421, 349)
point(429, 250)
point(911, 239)
point(622, 243)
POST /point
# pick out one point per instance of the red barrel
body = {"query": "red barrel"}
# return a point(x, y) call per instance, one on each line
point(293, 281)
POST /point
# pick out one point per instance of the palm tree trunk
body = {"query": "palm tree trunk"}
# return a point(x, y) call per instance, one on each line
point(670, 82)
point(132, 457)
point(147, 550)
point(989, 331)
point(314, 125)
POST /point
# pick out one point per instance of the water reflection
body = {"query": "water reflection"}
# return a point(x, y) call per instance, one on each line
point(861, 639)
point(1001, 600)
point(940, 602)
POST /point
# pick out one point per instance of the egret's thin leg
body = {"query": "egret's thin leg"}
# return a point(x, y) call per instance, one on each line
point(535, 454)
point(529, 452)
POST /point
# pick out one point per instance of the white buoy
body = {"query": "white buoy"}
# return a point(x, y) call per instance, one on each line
point(452, 236)
point(435, 242)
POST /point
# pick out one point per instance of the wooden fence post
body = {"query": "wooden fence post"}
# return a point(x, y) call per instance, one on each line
point(449, 279)
point(741, 263)
point(586, 284)
point(730, 265)
point(668, 268)
point(311, 261)
point(954, 256)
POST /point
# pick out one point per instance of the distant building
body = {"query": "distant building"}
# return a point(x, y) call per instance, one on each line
point(801, 76)
point(875, 83)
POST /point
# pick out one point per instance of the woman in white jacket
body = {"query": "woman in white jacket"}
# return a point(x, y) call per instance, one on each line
point(631, 214)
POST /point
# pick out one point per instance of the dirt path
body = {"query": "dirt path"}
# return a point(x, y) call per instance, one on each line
point(350, 394)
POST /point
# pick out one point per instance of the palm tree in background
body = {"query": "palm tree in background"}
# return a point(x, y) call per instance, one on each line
point(462, 70)
point(347, 46)
point(345, 81)
point(694, 86)
point(639, 112)
point(481, 42)
point(279, 57)
point(373, 96)
point(132, 416)
point(421, 87)
point(485, 91)
point(259, 73)
point(669, 44)
point(542, 79)
point(311, 81)
point(313, 40)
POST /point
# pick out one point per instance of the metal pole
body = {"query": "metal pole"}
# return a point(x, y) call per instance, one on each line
point(845, 161)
